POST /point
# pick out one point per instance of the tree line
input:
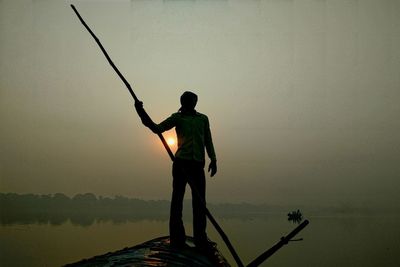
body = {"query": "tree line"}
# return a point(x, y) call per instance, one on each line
point(85, 209)
point(82, 209)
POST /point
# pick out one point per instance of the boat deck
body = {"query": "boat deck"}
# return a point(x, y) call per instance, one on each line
point(156, 252)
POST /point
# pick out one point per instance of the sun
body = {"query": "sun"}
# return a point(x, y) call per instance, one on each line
point(171, 141)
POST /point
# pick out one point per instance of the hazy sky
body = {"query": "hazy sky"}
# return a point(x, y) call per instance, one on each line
point(302, 97)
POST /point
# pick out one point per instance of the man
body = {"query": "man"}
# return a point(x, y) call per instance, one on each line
point(194, 136)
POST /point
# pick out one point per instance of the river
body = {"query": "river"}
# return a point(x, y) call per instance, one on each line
point(327, 241)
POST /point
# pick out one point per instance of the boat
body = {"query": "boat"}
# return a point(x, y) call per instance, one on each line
point(158, 252)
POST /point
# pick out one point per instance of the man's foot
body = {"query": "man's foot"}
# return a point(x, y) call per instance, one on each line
point(206, 247)
point(179, 245)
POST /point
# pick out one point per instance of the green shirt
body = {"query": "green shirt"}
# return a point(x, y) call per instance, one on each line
point(193, 132)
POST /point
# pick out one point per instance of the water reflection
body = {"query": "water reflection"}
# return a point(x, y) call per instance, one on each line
point(87, 209)
point(82, 218)
point(82, 209)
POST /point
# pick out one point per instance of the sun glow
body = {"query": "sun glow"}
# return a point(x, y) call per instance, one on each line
point(171, 141)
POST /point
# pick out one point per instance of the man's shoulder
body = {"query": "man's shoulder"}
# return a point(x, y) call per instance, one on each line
point(201, 115)
point(198, 120)
point(180, 115)
point(175, 114)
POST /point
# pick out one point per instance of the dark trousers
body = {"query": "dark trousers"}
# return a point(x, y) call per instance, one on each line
point(192, 172)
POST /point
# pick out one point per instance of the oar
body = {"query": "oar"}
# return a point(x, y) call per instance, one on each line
point(284, 240)
point(171, 155)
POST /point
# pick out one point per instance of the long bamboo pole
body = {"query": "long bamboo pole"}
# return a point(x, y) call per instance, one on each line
point(171, 155)
point(284, 240)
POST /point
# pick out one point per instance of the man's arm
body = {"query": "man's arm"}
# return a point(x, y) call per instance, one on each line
point(210, 149)
point(148, 122)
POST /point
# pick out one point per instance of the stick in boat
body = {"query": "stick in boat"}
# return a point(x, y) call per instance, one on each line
point(171, 155)
point(284, 240)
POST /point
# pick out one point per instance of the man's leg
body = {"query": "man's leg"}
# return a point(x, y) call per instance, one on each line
point(198, 203)
point(176, 228)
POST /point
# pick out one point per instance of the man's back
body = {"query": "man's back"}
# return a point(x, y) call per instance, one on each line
point(193, 133)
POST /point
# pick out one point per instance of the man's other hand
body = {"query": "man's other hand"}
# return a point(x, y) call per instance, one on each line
point(212, 167)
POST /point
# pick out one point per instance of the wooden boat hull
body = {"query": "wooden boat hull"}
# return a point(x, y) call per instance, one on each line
point(157, 252)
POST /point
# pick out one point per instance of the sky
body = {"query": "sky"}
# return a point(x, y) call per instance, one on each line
point(302, 97)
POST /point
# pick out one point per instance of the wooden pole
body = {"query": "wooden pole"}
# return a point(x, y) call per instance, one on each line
point(284, 240)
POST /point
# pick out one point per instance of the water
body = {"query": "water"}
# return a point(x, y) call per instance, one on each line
point(328, 241)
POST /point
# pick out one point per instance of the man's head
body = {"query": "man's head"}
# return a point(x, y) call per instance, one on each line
point(188, 101)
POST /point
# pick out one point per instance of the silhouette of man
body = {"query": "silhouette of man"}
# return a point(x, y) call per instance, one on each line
point(193, 132)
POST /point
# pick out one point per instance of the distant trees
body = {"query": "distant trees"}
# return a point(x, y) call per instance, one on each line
point(85, 209)
point(82, 209)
